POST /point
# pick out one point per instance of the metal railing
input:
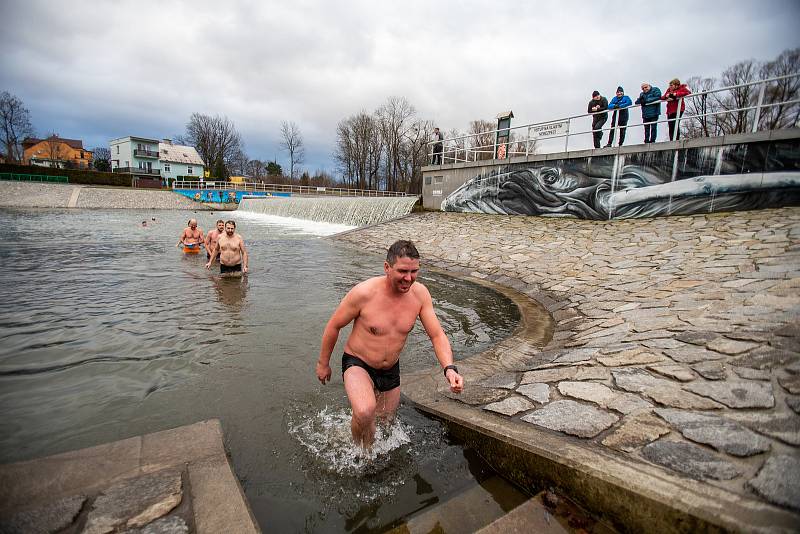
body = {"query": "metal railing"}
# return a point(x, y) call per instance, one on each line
point(17, 177)
point(556, 135)
point(282, 188)
point(144, 153)
point(137, 171)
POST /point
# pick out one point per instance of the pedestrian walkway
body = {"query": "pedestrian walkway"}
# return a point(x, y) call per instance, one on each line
point(668, 393)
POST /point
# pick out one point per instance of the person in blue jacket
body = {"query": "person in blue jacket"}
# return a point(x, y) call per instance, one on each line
point(650, 100)
point(620, 104)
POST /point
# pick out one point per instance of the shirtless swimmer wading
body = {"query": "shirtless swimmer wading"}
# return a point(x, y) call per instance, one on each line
point(383, 311)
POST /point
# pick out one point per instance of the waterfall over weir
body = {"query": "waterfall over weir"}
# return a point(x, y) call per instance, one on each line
point(353, 211)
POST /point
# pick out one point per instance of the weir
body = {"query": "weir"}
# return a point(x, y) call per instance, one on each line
point(354, 211)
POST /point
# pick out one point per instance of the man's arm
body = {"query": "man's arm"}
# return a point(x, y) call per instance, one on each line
point(180, 240)
point(347, 310)
point(441, 345)
point(244, 254)
point(214, 254)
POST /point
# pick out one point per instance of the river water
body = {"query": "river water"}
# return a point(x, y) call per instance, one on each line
point(108, 331)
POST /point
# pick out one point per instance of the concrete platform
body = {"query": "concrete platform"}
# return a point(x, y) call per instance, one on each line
point(661, 392)
point(210, 493)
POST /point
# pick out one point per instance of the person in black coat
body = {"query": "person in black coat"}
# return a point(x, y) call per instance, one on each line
point(598, 104)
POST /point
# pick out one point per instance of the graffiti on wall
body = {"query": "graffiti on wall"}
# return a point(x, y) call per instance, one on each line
point(645, 184)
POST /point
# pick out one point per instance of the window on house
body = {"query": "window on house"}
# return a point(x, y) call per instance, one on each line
point(81, 154)
point(438, 179)
point(189, 170)
point(127, 163)
point(427, 180)
point(166, 167)
point(117, 149)
point(139, 146)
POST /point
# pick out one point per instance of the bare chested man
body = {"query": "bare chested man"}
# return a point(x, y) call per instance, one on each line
point(385, 309)
point(213, 236)
point(231, 251)
point(191, 236)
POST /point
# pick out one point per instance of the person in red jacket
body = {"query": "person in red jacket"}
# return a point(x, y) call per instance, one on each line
point(675, 93)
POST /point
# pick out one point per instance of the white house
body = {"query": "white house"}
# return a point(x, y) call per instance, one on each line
point(179, 160)
point(135, 155)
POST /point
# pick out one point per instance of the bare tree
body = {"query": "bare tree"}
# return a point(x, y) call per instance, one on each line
point(482, 139)
point(15, 122)
point(703, 107)
point(358, 150)
point(54, 150)
point(215, 139)
point(292, 142)
point(395, 119)
point(101, 158)
point(737, 119)
point(781, 115)
point(257, 169)
point(237, 165)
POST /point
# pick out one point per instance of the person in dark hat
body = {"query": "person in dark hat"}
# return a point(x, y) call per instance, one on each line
point(620, 104)
point(598, 106)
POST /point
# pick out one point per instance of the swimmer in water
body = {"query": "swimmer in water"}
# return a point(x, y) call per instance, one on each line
point(231, 251)
point(191, 236)
point(383, 311)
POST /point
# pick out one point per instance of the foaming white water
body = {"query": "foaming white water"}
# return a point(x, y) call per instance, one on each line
point(326, 437)
point(290, 223)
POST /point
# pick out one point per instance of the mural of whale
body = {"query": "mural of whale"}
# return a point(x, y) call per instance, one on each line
point(558, 191)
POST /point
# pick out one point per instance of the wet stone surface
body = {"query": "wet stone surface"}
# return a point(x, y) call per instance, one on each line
point(51, 518)
point(716, 431)
point(689, 459)
point(510, 406)
point(572, 418)
point(778, 481)
point(736, 394)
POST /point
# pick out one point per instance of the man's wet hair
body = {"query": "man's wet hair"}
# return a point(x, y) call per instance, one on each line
point(231, 222)
point(220, 221)
point(401, 249)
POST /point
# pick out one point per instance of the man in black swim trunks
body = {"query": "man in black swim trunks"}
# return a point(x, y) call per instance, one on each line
point(383, 310)
point(231, 251)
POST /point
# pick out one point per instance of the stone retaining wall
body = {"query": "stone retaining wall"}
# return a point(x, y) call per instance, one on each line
point(37, 195)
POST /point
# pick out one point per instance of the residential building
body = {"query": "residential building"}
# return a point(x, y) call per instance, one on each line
point(57, 152)
point(179, 161)
point(135, 155)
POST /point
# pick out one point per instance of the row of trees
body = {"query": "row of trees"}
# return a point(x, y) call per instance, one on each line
point(719, 115)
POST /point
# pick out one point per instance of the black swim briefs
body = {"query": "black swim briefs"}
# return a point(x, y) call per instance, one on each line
point(230, 268)
point(382, 379)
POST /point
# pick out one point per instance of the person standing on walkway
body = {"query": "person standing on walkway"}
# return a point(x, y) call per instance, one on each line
point(620, 104)
point(650, 100)
point(437, 147)
point(383, 311)
point(675, 92)
point(597, 105)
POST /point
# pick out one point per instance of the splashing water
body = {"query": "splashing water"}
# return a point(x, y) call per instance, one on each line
point(327, 438)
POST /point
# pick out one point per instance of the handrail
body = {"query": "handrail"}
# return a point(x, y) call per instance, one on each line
point(453, 149)
point(285, 188)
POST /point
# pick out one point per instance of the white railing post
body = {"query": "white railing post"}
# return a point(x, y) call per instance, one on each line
point(758, 106)
point(566, 137)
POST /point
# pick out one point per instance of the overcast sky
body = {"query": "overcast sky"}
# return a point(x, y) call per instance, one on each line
point(97, 70)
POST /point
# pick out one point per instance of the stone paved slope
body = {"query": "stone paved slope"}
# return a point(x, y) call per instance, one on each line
point(676, 340)
point(35, 195)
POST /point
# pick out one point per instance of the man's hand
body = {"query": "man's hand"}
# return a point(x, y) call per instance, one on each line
point(244, 269)
point(323, 372)
point(456, 381)
point(208, 265)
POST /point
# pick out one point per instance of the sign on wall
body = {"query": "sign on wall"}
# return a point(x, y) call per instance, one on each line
point(551, 129)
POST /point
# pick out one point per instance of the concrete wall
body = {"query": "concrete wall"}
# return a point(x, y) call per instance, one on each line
point(726, 173)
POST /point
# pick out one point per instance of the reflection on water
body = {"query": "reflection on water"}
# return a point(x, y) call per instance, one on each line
point(107, 330)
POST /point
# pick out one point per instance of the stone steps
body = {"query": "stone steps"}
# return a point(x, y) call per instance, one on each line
point(469, 511)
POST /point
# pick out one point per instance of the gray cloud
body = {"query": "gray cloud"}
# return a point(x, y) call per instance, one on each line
point(109, 69)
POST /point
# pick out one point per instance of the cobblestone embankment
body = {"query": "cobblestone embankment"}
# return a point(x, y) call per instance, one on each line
point(675, 354)
point(36, 195)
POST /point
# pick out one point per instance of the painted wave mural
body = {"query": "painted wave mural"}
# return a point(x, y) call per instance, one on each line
point(705, 180)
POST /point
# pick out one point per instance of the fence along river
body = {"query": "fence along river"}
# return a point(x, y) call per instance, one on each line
point(350, 211)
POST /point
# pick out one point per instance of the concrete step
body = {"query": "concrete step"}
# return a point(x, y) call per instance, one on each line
point(468, 511)
point(530, 516)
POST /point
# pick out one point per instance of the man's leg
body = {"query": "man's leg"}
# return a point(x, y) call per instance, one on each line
point(361, 395)
point(387, 403)
point(611, 131)
point(622, 128)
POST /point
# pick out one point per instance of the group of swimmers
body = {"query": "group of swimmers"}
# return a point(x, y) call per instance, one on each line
point(221, 243)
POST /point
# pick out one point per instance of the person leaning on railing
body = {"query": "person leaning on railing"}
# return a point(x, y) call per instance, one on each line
point(650, 100)
point(597, 105)
point(675, 92)
point(620, 104)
